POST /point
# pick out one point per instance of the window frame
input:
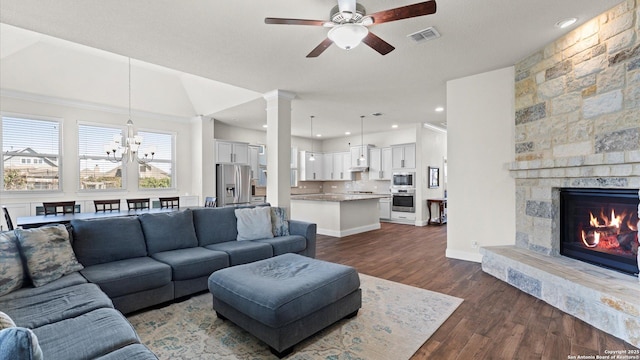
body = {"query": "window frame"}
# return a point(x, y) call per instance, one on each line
point(172, 162)
point(123, 164)
point(60, 123)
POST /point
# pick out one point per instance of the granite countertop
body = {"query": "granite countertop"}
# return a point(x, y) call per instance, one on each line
point(338, 197)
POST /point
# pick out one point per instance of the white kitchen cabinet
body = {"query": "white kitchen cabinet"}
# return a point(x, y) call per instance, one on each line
point(253, 161)
point(385, 208)
point(380, 164)
point(311, 170)
point(327, 167)
point(229, 152)
point(336, 166)
point(403, 156)
point(356, 151)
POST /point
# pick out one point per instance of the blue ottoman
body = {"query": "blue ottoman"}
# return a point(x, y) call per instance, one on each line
point(285, 299)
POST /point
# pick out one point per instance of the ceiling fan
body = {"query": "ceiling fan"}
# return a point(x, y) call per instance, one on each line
point(349, 22)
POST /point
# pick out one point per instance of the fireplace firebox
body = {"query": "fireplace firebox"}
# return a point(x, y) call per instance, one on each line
point(600, 226)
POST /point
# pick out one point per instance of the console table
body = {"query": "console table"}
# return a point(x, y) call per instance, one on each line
point(442, 211)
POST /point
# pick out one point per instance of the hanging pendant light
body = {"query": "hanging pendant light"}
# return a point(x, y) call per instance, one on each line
point(312, 157)
point(361, 159)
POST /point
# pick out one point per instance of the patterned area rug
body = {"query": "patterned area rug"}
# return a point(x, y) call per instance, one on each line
point(394, 321)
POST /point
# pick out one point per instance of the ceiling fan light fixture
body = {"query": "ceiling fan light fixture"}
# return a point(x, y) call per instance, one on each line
point(347, 36)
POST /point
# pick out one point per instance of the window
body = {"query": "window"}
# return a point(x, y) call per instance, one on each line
point(158, 173)
point(97, 172)
point(30, 154)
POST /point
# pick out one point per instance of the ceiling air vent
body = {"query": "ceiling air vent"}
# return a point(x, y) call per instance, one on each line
point(429, 33)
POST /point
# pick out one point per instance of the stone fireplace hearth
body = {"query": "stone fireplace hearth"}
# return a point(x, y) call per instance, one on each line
point(577, 125)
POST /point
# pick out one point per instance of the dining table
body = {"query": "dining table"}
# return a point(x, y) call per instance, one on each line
point(27, 222)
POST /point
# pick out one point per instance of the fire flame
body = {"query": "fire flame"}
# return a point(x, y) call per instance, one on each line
point(604, 230)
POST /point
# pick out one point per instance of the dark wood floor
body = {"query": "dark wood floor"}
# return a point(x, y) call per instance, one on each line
point(495, 321)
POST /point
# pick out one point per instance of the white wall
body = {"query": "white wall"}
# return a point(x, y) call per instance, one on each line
point(71, 114)
point(481, 193)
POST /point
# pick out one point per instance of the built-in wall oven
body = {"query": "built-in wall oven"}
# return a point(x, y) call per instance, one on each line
point(403, 200)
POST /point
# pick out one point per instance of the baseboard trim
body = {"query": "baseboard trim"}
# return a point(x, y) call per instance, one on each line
point(347, 232)
point(464, 255)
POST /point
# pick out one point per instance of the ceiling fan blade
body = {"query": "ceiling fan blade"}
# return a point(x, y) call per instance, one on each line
point(378, 44)
point(320, 48)
point(347, 8)
point(404, 12)
point(282, 21)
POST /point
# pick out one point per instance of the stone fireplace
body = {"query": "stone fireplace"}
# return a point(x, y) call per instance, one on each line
point(577, 127)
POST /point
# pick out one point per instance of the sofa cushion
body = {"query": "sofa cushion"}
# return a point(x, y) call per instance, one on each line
point(215, 225)
point(242, 252)
point(193, 262)
point(279, 222)
point(99, 241)
point(253, 223)
point(35, 311)
point(68, 280)
point(48, 253)
point(87, 336)
point(128, 276)
point(11, 268)
point(130, 352)
point(286, 244)
point(19, 343)
point(168, 231)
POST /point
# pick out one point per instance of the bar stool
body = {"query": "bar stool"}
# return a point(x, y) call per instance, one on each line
point(169, 202)
point(59, 207)
point(7, 218)
point(107, 205)
point(138, 204)
point(210, 201)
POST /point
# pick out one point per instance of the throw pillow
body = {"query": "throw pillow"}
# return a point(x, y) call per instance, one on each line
point(279, 222)
point(253, 223)
point(11, 269)
point(48, 253)
point(5, 321)
point(19, 343)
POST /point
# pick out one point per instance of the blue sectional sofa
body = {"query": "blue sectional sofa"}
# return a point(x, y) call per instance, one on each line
point(131, 263)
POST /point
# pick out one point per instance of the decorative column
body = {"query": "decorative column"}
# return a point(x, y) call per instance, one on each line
point(279, 147)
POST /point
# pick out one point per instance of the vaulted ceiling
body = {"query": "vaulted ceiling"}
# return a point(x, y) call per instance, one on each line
point(217, 57)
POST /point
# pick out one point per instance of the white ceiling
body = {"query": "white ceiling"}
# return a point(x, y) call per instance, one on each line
point(227, 41)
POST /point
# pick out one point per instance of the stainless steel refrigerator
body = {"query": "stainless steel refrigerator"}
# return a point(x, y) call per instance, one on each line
point(233, 184)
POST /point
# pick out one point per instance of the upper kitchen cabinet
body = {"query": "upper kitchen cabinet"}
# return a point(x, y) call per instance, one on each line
point(403, 156)
point(336, 166)
point(311, 170)
point(380, 164)
point(253, 161)
point(356, 152)
point(229, 152)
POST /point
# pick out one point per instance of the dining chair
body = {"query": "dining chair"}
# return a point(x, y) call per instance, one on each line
point(7, 218)
point(210, 201)
point(169, 202)
point(59, 207)
point(107, 205)
point(138, 204)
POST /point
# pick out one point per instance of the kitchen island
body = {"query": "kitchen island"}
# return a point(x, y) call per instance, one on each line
point(338, 214)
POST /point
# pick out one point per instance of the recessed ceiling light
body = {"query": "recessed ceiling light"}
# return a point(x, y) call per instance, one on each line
point(439, 109)
point(347, 132)
point(394, 126)
point(564, 23)
point(319, 135)
point(264, 126)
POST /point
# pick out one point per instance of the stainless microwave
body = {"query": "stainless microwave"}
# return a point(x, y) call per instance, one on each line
point(403, 179)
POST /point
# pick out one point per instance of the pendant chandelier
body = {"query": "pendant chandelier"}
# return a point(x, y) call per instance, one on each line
point(128, 149)
point(361, 159)
point(312, 157)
